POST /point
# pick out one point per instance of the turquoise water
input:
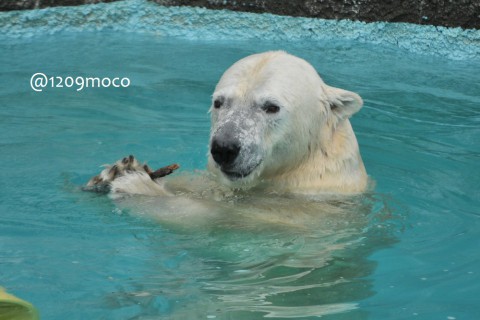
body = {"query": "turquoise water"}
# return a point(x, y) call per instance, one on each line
point(407, 250)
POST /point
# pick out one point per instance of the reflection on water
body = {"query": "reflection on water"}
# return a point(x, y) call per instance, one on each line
point(311, 261)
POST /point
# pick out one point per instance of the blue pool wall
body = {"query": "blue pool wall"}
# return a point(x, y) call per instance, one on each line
point(464, 13)
point(206, 24)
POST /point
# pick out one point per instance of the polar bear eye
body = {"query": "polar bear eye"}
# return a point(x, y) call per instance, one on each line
point(271, 108)
point(217, 104)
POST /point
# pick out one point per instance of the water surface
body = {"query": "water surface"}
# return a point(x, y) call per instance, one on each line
point(409, 248)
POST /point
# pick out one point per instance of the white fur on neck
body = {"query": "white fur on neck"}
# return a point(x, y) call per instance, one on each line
point(336, 166)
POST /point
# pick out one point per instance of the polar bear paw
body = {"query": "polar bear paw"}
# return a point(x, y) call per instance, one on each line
point(124, 170)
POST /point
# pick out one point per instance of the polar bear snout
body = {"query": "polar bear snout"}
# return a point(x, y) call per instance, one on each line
point(234, 149)
point(224, 152)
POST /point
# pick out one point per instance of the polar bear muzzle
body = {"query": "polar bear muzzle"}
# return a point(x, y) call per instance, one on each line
point(225, 154)
point(234, 145)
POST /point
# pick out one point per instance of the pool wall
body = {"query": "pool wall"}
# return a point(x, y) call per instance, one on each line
point(205, 24)
point(459, 13)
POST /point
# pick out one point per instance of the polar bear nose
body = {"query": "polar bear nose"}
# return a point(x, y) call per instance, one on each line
point(224, 153)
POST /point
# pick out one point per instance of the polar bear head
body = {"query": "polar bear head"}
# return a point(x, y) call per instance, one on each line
point(273, 120)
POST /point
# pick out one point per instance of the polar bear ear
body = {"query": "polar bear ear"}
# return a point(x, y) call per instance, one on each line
point(343, 103)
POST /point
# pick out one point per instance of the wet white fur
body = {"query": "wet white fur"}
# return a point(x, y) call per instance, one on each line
point(138, 183)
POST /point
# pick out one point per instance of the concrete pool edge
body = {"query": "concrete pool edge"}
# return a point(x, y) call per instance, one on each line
point(206, 24)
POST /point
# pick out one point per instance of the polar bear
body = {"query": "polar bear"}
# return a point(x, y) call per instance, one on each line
point(275, 126)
